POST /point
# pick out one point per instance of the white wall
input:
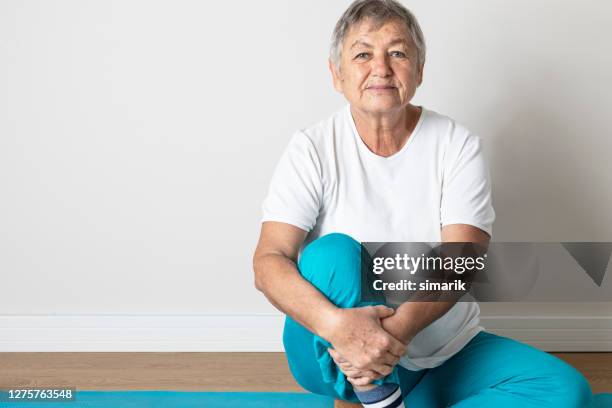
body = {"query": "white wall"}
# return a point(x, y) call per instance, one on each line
point(137, 138)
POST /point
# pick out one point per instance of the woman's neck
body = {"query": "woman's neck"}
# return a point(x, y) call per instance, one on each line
point(386, 134)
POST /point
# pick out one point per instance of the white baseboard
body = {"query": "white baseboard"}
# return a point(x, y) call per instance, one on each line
point(555, 333)
point(250, 333)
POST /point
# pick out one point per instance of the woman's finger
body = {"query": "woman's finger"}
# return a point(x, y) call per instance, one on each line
point(336, 356)
point(360, 381)
point(382, 369)
point(389, 359)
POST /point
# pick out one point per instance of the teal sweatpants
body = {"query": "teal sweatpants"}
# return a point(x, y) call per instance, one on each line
point(490, 371)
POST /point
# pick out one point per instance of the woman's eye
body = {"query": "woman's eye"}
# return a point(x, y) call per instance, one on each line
point(398, 54)
point(361, 55)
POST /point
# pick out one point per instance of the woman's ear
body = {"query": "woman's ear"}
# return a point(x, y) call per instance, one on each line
point(420, 75)
point(336, 77)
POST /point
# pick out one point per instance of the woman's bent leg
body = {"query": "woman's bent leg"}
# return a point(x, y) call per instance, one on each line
point(332, 264)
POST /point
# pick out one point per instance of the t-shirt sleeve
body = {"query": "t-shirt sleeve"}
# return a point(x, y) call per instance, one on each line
point(466, 187)
point(295, 193)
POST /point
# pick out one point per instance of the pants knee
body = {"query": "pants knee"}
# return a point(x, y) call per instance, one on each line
point(578, 389)
point(574, 389)
point(332, 264)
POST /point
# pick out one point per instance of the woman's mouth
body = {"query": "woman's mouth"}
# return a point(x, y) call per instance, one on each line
point(381, 89)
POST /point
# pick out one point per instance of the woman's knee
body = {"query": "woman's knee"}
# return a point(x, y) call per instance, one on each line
point(332, 264)
point(334, 247)
point(573, 388)
point(566, 387)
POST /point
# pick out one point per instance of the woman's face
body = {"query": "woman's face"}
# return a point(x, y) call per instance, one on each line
point(378, 72)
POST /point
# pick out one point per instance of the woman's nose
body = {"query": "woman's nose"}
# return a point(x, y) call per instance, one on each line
point(380, 66)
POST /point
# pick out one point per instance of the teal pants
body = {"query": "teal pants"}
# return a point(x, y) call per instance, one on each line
point(490, 371)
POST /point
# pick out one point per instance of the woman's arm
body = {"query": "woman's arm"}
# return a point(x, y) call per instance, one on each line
point(277, 277)
point(412, 317)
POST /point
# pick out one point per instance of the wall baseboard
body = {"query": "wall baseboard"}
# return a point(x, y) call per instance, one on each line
point(250, 333)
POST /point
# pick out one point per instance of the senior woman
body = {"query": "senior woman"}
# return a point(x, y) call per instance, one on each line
point(382, 169)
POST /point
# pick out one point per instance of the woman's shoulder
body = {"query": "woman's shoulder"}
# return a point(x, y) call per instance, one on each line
point(445, 129)
point(327, 130)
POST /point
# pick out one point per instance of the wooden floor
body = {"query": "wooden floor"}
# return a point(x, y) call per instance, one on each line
point(196, 371)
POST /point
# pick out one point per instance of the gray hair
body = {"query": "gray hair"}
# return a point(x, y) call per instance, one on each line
point(380, 12)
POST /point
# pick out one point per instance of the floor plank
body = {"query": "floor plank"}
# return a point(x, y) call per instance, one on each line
point(196, 371)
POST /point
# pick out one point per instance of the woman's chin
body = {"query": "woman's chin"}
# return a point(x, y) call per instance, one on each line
point(382, 106)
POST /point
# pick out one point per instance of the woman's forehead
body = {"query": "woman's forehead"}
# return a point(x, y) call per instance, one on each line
point(393, 30)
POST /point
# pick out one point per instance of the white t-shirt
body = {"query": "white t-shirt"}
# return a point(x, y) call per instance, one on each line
point(329, 181)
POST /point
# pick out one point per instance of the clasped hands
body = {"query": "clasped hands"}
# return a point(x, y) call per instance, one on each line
point(367, 342)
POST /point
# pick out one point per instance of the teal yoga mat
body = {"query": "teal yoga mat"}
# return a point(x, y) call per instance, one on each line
point(602, 401)
point(179, 399)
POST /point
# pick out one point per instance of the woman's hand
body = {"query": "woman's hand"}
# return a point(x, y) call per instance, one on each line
point(357, 377)
point(358, 336)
